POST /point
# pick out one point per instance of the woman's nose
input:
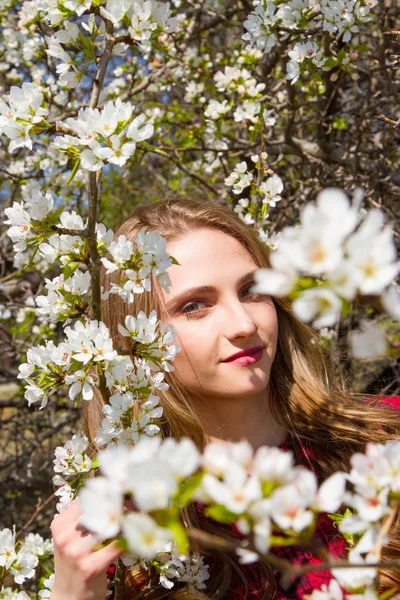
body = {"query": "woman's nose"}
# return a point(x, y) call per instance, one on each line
point(239, 322)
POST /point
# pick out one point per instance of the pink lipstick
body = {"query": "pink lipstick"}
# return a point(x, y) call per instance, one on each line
point(246, 357)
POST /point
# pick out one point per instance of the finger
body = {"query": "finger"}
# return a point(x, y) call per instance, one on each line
point(101, 559)
point(72, 513)
point(80, 547)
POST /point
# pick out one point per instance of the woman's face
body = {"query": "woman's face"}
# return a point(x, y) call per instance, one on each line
point(220, 320)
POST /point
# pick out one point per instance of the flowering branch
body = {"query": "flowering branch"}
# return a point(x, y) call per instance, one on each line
point(210, 540)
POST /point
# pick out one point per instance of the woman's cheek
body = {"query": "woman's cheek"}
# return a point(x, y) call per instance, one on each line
point(187, 349)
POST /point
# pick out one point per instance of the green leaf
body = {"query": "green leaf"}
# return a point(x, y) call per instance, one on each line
point(87, 46)
point(179, 535)
point(340, 123)
point(220, 513)
point(95, 463)
point(74, 171)
point(123, 544)
point(152, 148)
point(185, 492)
point(389, 593)
point(70, 269)
point(267, 488)
point(345, 307)
point(121, 126)
point(330, 62)
point(337, 518)
point(283, 541)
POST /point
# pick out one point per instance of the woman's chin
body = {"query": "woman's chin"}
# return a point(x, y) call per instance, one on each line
point(239, 389)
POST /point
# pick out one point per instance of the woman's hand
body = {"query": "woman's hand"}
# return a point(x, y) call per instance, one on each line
point(80, 571)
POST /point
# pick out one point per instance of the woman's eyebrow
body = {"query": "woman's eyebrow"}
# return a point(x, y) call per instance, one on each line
point(204, 289)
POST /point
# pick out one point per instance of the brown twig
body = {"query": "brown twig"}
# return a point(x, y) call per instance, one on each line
point(384, 531)
point(215, 541)
point(35, 514)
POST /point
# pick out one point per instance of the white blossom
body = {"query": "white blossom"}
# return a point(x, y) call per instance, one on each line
point(331, 591)
point(369, 342)
point(216, 109)
point(25, 565)
point(145, 538)
point(97, 136)
point(272, 188)
point(102, 508)
point(7, 548)
point(240, 178)
point(48, 586)
point(319, 305)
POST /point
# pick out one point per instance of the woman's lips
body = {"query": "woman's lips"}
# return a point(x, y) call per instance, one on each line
point(249, 359)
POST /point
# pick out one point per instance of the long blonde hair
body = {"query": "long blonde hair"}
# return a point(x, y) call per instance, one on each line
point(308, 395)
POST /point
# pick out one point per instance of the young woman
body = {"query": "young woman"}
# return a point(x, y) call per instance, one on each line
point(290, 393)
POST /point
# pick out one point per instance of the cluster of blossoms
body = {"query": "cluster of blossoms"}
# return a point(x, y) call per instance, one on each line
point(141, 19)
point(173, 567)
point(185, 569)
point(50, 366)
point(88, 348)
point(241, 82)
point(65, 297)
point(153, 340)
point(336, 253)
point(215, 109)
point(144, 19)
point(375, 478)
point(248, 111)
point(150, 474)
point(27, 218)
point(71, 458)
point(240, 178)
point(126, 418)
point(303, 54)
point(236, 80)
point(107, 135)
point(263, 493)
point(71, 461)
point(267, 192)
point(270, 21)
point(33, 223)
point(139, 261)
point(83, 46)
point(20, 558)
point(21, 113)
point(133, 410)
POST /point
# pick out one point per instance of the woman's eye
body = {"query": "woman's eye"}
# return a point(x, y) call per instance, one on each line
point(186, 309)
point(191, 306)
point(248, 289)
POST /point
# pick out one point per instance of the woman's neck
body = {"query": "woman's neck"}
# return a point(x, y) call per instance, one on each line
point(231, 420)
